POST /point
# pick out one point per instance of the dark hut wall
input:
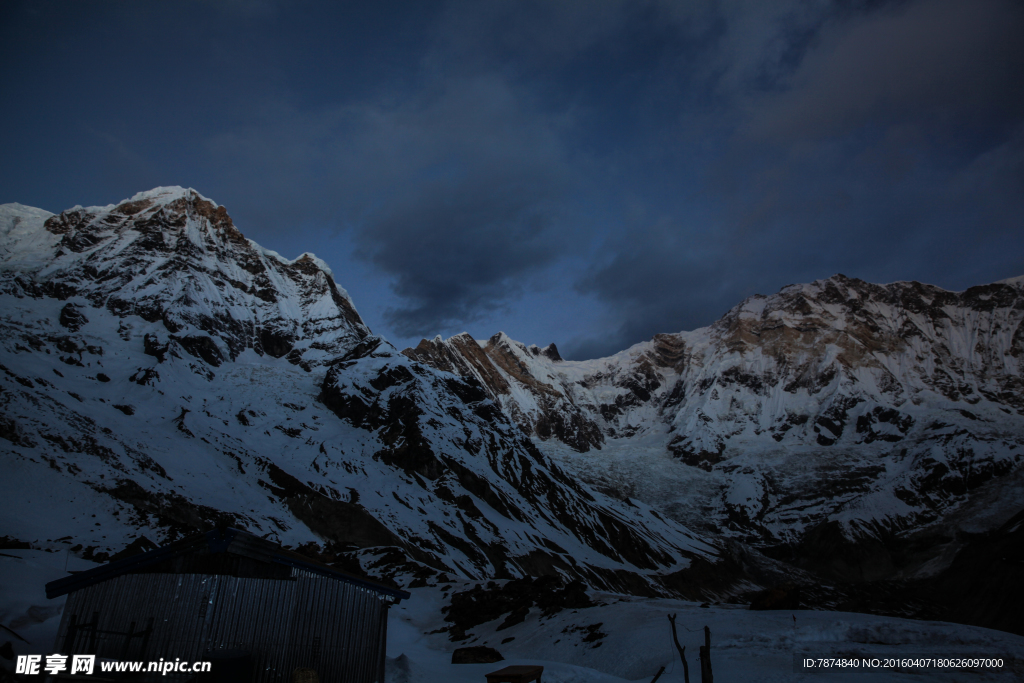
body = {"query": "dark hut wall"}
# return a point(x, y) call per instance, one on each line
point(335, 627)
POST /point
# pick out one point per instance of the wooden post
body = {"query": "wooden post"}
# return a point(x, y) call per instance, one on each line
point(92, 634)
point(705, 658)
point(128, 640)
point(682, 650)
point(145, 637)
point(69, 637)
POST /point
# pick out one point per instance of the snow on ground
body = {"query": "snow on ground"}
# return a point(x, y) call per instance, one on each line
point(745, 645)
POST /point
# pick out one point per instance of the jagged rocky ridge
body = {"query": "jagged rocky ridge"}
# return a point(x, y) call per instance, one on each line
point(827, 424)
point(160, 373)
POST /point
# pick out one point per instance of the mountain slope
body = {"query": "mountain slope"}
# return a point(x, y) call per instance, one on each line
point(839, 409)
point(160, 373)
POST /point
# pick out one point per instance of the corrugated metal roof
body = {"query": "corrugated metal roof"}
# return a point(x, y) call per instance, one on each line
point(221, 542)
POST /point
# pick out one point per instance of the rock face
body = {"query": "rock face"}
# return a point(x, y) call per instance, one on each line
point(443, 434)
point(521, 381)
point(160, 373)
point(838, 407)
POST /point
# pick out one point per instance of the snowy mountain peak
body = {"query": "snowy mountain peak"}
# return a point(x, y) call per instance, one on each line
point(168, 374)
point(172, 256)
point(834, 402)
point(177, 212)
point(167, 194)
point(550, 351)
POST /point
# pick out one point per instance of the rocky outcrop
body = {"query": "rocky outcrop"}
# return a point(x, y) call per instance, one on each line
point(520, 380)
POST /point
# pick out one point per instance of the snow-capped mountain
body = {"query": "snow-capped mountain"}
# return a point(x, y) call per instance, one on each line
point(161, 373)
point(174, 257)
point(818, 417)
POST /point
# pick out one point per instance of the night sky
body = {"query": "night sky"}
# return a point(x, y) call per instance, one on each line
point(587, 172)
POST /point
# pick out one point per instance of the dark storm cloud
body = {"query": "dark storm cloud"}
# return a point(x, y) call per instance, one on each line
point(453, 192)
point(463, 247)
point(478, 211)
point(656, 278)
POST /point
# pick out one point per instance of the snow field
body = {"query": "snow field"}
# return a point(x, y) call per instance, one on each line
point(746, 646)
